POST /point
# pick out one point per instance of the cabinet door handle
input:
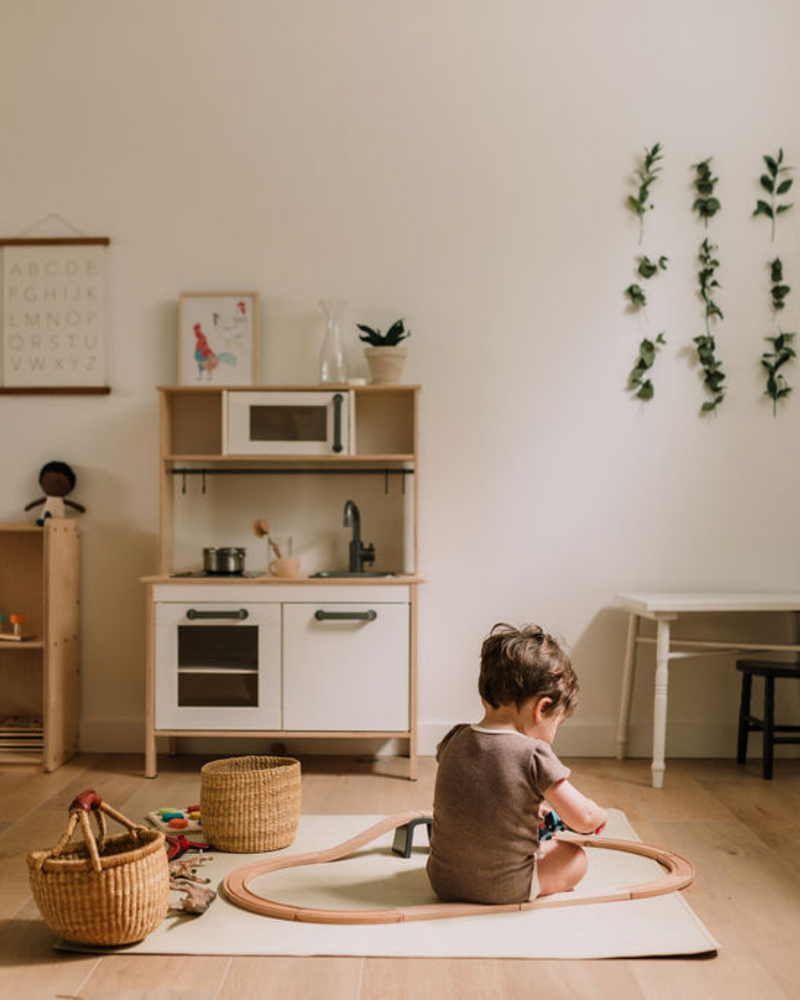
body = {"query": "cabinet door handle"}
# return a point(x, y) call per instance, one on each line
point(346, 616)
point(192, 614)
point(338, 399)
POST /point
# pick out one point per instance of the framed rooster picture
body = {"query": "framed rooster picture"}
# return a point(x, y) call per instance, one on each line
point(218, 338)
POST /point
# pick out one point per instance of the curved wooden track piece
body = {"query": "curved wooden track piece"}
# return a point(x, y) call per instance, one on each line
point(236, 885)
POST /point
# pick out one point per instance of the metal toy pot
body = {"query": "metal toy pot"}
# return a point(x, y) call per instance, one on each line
point(223, 561)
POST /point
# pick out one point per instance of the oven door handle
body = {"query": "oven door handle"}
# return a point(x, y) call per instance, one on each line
point(239, 615)
point(346, 616)
point(338, 400)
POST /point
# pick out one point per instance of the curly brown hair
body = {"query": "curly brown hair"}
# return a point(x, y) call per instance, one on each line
point(522, 663)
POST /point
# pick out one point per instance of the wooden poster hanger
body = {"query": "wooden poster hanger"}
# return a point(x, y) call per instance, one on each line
point(79, 239)
point(34, 350)
point(236, 885)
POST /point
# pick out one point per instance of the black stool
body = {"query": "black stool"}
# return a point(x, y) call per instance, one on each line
point(769, 670)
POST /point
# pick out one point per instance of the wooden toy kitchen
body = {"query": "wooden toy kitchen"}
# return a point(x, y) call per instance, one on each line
point(329, 652)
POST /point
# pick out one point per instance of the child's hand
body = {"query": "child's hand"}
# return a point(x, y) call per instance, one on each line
point(544, 809)
point(600, 828)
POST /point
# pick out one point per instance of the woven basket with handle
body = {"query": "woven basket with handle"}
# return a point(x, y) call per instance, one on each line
point(250, 804)
point(102, 890)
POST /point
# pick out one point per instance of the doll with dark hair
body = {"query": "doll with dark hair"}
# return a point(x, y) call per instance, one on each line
point(57, 480)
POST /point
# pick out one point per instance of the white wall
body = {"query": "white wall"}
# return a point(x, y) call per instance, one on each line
point(463, 164)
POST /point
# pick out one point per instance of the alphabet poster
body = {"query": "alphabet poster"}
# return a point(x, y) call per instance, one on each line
point(54, 314)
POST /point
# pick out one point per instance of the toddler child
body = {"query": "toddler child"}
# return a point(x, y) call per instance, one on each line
point(494, 777)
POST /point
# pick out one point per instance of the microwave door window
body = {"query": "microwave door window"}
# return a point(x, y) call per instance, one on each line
point(288, 423)
point(218, 666)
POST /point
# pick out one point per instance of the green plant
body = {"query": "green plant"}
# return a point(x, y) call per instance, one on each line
point(782, 350)
point(636, 294)
point(771, 182)
point(648, 268)
point(773, 361)
point(646, 176)
point(373, 336)
point(705, 204)
point(779, 291)
point(637, 379)
point(713, 375)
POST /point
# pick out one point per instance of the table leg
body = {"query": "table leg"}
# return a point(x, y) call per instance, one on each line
point(660, 703)
point(150, 754)
point(627, 685)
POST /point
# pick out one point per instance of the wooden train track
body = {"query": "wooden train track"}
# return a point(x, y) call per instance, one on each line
point(236, 885)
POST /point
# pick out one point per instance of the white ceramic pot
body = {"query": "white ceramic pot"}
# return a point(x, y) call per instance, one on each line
point(385, 363)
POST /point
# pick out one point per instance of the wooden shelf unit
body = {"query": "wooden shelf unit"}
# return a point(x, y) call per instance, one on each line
point(191, 434)
point(192, 438)
point(39, 677)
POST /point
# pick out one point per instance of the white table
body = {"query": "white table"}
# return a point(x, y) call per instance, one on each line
point(664, 609)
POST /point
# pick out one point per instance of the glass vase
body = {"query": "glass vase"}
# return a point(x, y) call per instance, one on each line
point(333, 357)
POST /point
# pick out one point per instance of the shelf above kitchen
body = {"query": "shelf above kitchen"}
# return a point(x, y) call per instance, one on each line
point(384, 422)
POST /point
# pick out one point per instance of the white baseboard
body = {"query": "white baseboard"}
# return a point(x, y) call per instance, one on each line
point(695, 739)
point(575, 739)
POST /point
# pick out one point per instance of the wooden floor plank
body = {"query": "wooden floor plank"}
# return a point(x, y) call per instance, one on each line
point(156, 976)
point(286, 978)
point(740, 831)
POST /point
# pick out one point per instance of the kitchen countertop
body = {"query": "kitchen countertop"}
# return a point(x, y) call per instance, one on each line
point(357, 581)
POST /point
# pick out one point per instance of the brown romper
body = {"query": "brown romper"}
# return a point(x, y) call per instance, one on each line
point(485, 838)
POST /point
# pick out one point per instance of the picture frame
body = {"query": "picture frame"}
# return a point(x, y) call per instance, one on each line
point(53, 315)
point(219, 336)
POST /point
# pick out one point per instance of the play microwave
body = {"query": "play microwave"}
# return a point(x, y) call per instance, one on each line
point(313, 422)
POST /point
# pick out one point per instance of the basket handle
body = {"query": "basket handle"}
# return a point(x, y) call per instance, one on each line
point(80, 808)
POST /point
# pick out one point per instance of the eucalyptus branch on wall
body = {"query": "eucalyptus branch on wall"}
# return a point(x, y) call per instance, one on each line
point(639, 381)
point(782, 351)
point(713, 375)
point(646, 175)
point(776, 184)
point(706, 205)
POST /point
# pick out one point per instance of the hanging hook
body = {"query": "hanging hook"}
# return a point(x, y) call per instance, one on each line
point(203, 483)
point(183, 481)
point(385, 482)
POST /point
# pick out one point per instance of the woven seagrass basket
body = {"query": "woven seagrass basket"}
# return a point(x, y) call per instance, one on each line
point(104, 890)
point(250, 804)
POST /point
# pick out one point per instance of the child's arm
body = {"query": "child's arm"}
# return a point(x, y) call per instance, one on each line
point(581, 814)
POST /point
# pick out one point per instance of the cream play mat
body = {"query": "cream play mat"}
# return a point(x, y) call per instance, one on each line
point(374, 878)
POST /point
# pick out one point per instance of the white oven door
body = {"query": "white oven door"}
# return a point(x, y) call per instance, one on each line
point(288, 423)
point(218, 666)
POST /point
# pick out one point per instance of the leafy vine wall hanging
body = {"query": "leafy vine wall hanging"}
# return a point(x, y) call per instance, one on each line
point(706, 205)
point(640, 383)
point(776, 184)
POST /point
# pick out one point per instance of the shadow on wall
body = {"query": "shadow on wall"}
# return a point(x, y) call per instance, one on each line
point(114, 557)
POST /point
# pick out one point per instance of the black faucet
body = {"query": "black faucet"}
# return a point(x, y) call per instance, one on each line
point(359, 553)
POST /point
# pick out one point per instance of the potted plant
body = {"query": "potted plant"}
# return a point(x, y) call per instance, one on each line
point(384, 354)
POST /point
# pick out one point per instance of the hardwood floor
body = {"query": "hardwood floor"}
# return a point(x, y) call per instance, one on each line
point(742, 833)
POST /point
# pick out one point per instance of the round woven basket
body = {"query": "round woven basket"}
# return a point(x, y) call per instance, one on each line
point(250, 804)
point(105, 890)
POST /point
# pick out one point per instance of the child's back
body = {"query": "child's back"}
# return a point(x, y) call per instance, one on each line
point(489, 787)
point(493, 779)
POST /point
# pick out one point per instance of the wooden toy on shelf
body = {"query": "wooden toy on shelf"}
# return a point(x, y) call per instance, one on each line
point(16, 634)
